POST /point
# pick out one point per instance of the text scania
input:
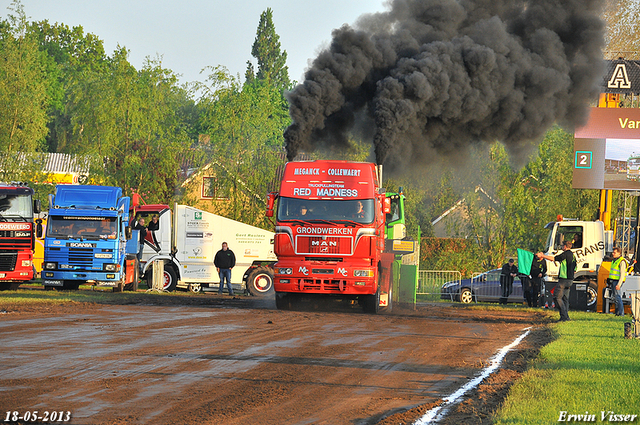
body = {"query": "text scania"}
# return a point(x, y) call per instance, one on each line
point(325, 231)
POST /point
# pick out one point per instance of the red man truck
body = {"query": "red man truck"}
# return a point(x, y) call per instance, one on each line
point(16, 234)
point(331, 231)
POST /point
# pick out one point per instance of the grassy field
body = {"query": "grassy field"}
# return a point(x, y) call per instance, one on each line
point(590, 369)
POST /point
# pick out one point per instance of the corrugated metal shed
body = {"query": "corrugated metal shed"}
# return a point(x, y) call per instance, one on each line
point(48, 162)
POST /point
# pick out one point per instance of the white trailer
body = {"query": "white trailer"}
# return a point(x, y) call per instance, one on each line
point(187, 244)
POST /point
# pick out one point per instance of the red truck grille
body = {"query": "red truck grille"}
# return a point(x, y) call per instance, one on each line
point(322, 285)
point(8, 261)
point(330, 245)
point(8, 240)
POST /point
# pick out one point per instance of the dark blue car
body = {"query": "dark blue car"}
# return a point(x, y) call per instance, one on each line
point(483, 288)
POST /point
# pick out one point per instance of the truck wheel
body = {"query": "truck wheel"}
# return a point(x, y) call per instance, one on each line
point(389, 307)
point(170, 279)
point(195, 288)
point(282, 301)
point(260, 282)
point(71, 285)
point(370, 303)
point(465, 296)
point(592, 295)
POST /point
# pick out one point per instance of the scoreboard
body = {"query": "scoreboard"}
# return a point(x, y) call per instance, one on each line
point(607, 150)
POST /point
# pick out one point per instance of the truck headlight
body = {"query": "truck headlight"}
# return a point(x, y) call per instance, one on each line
point(284, 270)
point(50, 266)
point(26, 263)
point(110, 267)
point(363, 273)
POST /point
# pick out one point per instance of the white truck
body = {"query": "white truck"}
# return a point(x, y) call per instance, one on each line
point(187, 240)
point(590, 244)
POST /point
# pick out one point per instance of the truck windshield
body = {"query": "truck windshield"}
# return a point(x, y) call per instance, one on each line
point(565, 233)
point(357, 210)
point(15, 206)
point(82, 227)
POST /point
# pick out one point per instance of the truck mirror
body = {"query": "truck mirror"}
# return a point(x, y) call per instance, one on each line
point(271, 200)
point(39, 228)
point(127, 232)
point(387, 205)
point(36, 206)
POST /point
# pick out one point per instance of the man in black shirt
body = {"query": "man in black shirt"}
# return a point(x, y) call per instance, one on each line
point(538, 270)
point(142, 233)
point(224, 261)
point(565, 278)
point(508, 273)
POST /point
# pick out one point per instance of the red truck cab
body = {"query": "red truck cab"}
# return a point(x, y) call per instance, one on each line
point(330, 233)
point(16, 234)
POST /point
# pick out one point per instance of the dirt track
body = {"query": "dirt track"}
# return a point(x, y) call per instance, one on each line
point(218, 360)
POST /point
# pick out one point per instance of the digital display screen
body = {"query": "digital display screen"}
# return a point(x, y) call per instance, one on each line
point(607, 150)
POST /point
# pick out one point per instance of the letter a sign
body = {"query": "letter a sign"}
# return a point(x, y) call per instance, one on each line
point(619, 78)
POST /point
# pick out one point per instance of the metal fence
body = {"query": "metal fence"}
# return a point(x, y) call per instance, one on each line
point(430, 283)
point(480, 287)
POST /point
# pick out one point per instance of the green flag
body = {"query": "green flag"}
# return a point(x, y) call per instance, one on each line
point(525, 259)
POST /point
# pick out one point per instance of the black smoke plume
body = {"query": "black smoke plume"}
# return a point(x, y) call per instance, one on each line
point(432, 77)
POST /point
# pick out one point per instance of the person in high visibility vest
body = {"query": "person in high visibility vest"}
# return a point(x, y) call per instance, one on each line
point(617, 276)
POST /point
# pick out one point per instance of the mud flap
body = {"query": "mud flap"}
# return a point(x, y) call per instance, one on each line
point(130, 266)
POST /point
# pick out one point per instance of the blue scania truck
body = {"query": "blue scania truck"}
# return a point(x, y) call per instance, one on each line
point(86, 239)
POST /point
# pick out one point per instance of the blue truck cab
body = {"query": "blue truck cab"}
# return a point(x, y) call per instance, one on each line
point(86, 239)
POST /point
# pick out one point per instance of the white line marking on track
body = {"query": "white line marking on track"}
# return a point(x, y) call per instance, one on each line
point(437, 413)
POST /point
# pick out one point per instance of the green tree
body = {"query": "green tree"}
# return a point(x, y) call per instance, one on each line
point(128, 118)
point(527, 199)
point(245, 124)
point(622, 28)
point(74, 55)
point(507, 208)
point(271, 59)
point(23, 85)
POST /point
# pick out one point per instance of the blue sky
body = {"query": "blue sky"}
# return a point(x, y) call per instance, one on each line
point(192, 34)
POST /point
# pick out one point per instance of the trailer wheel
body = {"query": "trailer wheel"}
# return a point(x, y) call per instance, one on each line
point(260, 282)
point(170, 278)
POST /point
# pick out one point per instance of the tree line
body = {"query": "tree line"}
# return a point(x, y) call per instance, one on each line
point(137, 129)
